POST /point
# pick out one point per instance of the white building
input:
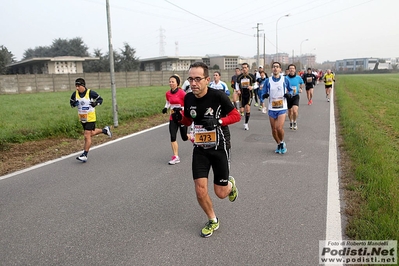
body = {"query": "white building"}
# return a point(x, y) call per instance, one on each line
point(50, 65)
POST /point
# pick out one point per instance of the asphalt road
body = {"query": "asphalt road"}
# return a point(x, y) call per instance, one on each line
point(127, 206)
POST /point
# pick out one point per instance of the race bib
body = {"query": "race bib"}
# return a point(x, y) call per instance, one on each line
point(83, 118)
point(329, 80)
point(309, 79)
point(277, 103)
point(245, 83)
point(203, 137)
point(294, 89)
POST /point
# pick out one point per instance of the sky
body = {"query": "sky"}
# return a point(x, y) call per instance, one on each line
point(330, 29)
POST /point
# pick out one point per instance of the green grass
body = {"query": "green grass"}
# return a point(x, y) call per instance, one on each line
point(369, 123)
point(42, 115)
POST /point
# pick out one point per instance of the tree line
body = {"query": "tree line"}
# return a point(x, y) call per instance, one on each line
point(124, 59)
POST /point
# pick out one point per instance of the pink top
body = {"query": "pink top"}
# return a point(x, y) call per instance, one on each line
point(175, 99)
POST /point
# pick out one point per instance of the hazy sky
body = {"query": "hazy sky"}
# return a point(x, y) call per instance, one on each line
point(335, 29)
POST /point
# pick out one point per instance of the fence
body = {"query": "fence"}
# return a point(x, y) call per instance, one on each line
point(33, 83)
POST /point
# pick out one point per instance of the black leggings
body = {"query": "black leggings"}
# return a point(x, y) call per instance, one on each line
point(173, 127)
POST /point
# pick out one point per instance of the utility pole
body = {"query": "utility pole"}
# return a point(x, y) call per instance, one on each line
point(111, 67)
point(257, 39)
point(264, 51)
point(161, 42)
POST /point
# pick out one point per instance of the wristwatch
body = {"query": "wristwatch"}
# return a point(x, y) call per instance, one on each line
point(220, 121)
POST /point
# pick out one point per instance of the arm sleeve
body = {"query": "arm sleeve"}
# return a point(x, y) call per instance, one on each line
point(231, 118)
point(226, 89)
point(167, 104)
point(73, 99)
point(97, 98)
point(187, 121)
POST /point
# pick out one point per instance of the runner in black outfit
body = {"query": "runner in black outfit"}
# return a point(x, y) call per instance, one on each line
point(244, 83)
point(211, 111)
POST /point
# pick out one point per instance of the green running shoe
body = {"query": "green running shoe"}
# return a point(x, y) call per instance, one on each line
point(234, 191)
point(210, 226)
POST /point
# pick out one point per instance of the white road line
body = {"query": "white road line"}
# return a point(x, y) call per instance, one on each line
point(333, 224)
point(76, 153)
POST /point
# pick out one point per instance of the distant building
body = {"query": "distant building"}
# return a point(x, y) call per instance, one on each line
point(50, 65)
point(168, 63)
point(355, 64)
point(282, 58)
point(364, 64)
point(224, 62)
point(182, 63)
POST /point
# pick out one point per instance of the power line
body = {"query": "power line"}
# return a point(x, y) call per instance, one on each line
point(208, 20)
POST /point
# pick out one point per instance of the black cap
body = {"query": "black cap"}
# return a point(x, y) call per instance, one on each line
point(80, 82)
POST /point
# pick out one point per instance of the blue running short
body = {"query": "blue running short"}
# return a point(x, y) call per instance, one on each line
point(275, 114)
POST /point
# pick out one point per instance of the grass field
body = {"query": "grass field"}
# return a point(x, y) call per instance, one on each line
point(42, 115)
point(369, 125)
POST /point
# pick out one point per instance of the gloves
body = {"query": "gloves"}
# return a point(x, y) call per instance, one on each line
point(264, 96)
point(288, 95)
point(164, 110)
point(93, 104)
point(176, 116)
point(210, 124)
point(75, 103)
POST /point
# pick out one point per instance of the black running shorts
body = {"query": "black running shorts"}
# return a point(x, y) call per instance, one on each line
point(293, 101)
point(246, 99)
point(203, 159)
point(89, 126)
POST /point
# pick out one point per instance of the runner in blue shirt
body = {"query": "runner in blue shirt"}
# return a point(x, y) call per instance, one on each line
point(297, 84)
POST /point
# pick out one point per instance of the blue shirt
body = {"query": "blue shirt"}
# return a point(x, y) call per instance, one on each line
point(295, 83)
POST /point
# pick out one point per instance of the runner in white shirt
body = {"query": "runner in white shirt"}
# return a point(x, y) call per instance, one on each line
point(217, 84)
point(277, 89)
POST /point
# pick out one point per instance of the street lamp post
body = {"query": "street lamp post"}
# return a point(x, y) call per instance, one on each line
point(287, 15)
point(301, 45)
point(301, 57)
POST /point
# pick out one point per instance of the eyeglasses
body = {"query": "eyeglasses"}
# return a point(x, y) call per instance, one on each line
point(276, 66)
point(197, 79)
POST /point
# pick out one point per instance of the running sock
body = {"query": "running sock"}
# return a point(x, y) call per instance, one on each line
point(247, 115)
point(215, 220)
point(85, 153)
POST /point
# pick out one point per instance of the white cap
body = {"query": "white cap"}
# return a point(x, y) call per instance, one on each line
point(260, 66)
